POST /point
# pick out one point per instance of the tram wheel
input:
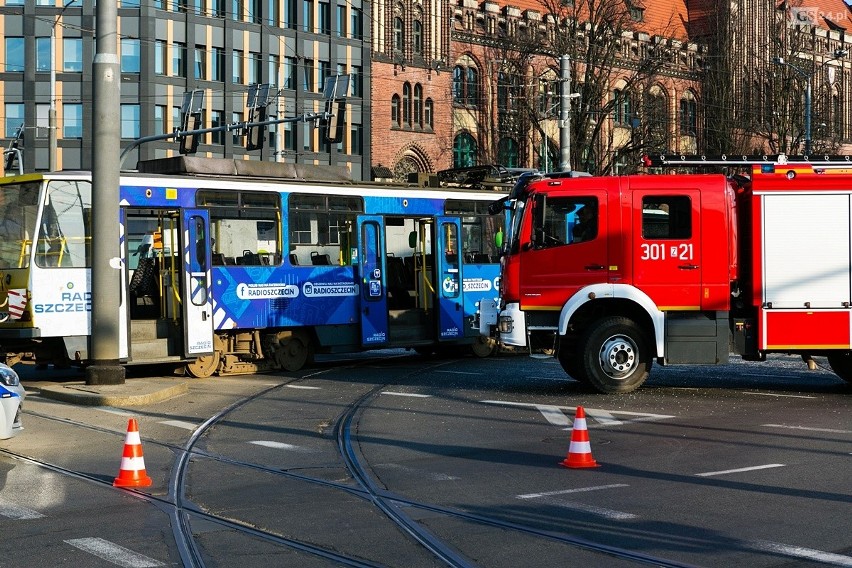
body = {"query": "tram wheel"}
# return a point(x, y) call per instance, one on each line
point(293, 352)
point(483, 347)
point(204, 366)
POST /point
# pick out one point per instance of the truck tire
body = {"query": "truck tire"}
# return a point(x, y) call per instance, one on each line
point(615, 355)
point(571, 363)
point(841, 364)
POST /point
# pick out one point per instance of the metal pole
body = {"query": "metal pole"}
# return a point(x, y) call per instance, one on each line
point(51, 114)
point(565, 113)
point(808, 81)
point(106, 257)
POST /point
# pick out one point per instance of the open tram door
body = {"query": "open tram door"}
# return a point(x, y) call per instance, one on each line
point(372, 280)
point(448, 277)
point(197, 302)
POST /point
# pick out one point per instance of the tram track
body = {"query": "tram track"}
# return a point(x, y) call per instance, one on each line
point(182, 512)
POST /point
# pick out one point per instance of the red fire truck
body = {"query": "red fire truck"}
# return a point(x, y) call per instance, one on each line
point(611, 273)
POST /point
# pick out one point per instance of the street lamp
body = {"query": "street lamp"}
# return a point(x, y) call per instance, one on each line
point(808, 77)
point(51, 114)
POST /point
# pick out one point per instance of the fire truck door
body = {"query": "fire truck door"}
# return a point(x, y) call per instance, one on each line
point(667, 248)
point(561, 256)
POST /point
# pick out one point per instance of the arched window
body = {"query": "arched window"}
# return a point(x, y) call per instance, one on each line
point(396, 110)
point(406, 104)
point(472, 86)
point(657, 117)
point(466, 83)
point(417, 37)
point(688, 115)
point(398, 35)
point(464, 151)
point(507, 153)
point(418, 104)
point(428, 114)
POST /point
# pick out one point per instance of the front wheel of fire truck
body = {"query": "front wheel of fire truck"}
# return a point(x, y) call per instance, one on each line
point(571, 362)
point(615, 355)
point(841, 364)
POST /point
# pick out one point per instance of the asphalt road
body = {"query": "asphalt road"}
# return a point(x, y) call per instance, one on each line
point(392, 459)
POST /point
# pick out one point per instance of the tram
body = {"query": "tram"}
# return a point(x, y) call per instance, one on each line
point(232, 266)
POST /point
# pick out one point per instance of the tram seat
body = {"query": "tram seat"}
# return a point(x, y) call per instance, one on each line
point(230, 261)
point(218, 259)
point(144, 290)
point(294, 260)
point(318, 259)
point(249, 258)
point(398, 296)
point(481, 258)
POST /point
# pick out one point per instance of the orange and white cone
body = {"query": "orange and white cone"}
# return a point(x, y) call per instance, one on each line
point(131, 473)
point(580, 450)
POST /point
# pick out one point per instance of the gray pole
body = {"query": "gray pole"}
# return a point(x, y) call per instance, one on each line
point(808, 81)
point(106, 274)
point(565, 113)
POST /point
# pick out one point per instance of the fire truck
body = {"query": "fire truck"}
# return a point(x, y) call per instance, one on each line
point(609, 274)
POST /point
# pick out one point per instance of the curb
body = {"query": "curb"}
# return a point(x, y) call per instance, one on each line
point(86, 395)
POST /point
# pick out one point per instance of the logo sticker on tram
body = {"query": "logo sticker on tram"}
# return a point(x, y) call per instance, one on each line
point(266, 291)
point(476, 285)
point(309, 289)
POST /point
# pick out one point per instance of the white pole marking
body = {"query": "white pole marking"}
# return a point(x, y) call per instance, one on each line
point(802, 552)
point(809, 429)
point(410, 394)
point(752, 468)
point(180, 424)
point(553, 415)
point(566, 491)
point(12, 511)
point(779, 395)
point(113, 553)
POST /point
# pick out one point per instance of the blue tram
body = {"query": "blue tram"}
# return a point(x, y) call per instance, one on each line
point(235, 267)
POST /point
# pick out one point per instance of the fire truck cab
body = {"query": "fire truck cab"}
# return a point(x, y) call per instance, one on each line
point(610, 273)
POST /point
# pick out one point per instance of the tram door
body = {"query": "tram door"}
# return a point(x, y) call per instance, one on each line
point(198, 303)
point(373, 280)
point(448, 276)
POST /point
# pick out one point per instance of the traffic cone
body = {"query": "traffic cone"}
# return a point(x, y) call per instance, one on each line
point(580, 450)
point(132, 470)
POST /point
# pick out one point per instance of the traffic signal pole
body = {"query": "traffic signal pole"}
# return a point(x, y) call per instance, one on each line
point(106, 257)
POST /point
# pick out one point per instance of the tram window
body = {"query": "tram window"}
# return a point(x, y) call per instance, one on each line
point(244, 226)
point(320, 225)
point(478, 229)
point(64, 232)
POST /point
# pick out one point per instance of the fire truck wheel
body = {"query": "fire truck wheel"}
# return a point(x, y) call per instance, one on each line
point(572, 364)
point(615, 355)
point(841, 364)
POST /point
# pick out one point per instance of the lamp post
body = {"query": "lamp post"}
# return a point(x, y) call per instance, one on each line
point(51, 114)
point(565, 96)
point(809, 79)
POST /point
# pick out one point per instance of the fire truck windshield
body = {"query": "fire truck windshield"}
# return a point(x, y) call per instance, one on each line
point(18, 211)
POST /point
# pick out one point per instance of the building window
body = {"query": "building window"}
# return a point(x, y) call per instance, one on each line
point(290, 136)
point(340, 24)
point(15, 58)
point(657, 115)
point(622, 107)
point(291, 64)
point(179, 59)
point(200, 62)
point(217, 137)
point(237, 67)
point(160, 57)
point(217, 8)
point(356, 140)
point(428, 114)
point(356, 23)
point(43, 54)
point(255, 8)
point(324, 18)
point(217, 64)
point(406, 104)
point(417, 37)
point(464, 151)
point(324, 72)
point(237, 10)
point(356, 81)
point(42, 120)
point(274, 65)
point(130, 121)
point(396, 111)
point(418, 105)
point(72, 120)
point(130, 55)
point(398, 35)
point(308, 16)
point(688, 116)
point(465, 85)
point(255, 69)
point(272, 14)
point(507, 153)
point(159, 119)
point(308, 84)
point(14, 118)
point(72, 55)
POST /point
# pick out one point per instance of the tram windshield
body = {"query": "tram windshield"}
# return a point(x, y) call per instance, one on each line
point(18, 212)
point(64, 234)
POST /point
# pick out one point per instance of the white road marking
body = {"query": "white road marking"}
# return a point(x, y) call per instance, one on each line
point(601, 416)
point(282, 446)
point(566, 491)
point(778, 395)
point(179, 424)
point(12, 511)
point(113, 553)
point(113, 410)
point(802, 552)
point(303, 387)
point(752, 468)
point(809, 429)
point(411, 394)
point(593, 509)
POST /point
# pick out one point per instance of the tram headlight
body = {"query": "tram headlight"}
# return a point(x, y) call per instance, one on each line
point(9, 377)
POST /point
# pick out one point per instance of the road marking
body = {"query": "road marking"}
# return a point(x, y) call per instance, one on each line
point(12, 511)
point(113, 553)
point(303, 387)
point(566, 491)
point(601, 416)
point(593, 509)
point(779, 395)
point(752, 468)
point(809, 429)
point(411, 394)
point(456, 372)
point(802, 552)
point(282, 446)
point(113, 410)
point(179, 424)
